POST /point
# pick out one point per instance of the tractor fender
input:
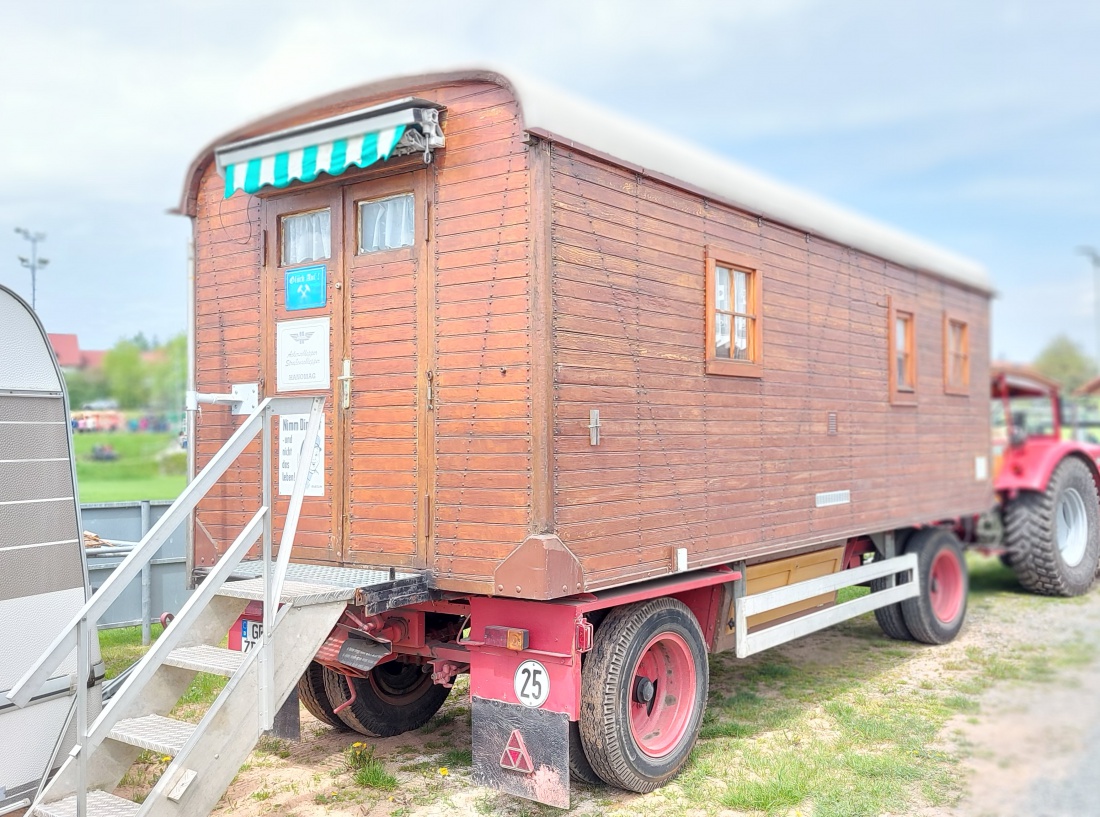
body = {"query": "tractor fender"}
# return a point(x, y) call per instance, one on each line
point(1030, 467)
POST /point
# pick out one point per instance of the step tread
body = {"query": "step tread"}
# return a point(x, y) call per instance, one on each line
point(205, 658)
point(100, 804)
point(157, 733)
point(298, 593)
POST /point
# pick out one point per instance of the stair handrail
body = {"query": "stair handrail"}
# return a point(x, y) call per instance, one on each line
point(77, 635)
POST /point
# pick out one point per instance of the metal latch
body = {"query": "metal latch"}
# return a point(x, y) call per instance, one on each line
point(430, 377)
point(345, 382)
point(594, 426)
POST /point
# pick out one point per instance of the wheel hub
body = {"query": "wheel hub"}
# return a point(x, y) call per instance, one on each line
point(662, 695)
point(1072, 527)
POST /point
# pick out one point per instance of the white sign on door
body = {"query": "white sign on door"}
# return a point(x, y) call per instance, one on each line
point(302, 355)
point(292, 431)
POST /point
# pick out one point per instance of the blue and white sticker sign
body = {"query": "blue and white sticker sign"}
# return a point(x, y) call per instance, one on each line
point(306, 288)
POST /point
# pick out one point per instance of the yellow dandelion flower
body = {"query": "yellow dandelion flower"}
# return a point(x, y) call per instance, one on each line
point(443, 771)
point(166, 759)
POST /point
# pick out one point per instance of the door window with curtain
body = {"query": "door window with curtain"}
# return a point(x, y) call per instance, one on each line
point(306, 237)
point(386, 224)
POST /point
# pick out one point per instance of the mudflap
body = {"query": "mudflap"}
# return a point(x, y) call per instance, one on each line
point(521, 750)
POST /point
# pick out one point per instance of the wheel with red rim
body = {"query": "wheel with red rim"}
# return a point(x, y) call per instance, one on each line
point(936, 614)
point(643, 694)
point(395, 697)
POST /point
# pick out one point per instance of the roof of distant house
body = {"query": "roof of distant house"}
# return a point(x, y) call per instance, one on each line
point(67, 350)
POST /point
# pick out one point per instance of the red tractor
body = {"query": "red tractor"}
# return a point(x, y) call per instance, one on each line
point(1048, 520)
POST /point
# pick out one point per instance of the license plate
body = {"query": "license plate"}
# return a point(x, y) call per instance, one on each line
point(251, 631)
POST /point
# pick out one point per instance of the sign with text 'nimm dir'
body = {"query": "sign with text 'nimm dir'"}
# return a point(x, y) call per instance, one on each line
point(306, 288)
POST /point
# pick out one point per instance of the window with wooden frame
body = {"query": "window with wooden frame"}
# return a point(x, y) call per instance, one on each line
point(902, 334)
point(735, 325)
point(956, 355)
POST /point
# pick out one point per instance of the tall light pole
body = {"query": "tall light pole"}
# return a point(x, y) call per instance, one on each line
point(34, 263)
point(1094, 257)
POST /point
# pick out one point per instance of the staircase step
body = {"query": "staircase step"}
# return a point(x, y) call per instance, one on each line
point(204, 658)
point(297, 593)
point(162, 735)
point(100, 804)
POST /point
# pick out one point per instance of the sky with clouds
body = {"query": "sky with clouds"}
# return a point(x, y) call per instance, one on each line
point(974, 125)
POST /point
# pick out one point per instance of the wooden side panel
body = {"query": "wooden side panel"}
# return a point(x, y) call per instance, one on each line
point(479, 248)
point(482, 507)
point(227, 350)
point(730, 467)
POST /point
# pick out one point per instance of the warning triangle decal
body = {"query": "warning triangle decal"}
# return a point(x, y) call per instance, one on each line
point(515, 755)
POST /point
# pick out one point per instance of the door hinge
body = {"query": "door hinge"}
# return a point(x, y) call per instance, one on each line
point(345, 385)
point(430, 391)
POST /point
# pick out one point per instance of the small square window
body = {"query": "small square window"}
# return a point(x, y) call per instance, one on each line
point(902, 343)
point(956, 356)
point(386, 224)
point(734, 320)
point(306, 237)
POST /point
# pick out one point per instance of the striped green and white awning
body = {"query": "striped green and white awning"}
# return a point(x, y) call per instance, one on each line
point(332, 146)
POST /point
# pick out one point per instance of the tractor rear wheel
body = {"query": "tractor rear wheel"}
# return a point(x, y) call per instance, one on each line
point(1053, 538)
point(643, 693)
point(394, 698)
point(311, 692)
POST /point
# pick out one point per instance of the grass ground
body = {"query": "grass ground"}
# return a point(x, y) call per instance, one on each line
point(843, 722)
point(143, 470)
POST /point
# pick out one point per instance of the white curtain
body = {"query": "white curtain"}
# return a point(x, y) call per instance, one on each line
point(386, 224)
point(306, 237)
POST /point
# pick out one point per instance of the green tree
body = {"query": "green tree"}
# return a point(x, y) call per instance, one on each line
point(168, 374)
point(126, 374)
point(85, 386)
point(1063, 360)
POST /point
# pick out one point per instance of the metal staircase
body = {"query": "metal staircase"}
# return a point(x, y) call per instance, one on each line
point(207, 755)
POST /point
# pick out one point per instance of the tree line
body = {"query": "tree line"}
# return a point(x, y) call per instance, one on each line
point(138, 373)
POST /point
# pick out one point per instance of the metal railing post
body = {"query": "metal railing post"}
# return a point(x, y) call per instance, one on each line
point(83, 671)
point(146, 580)
point(267, 664)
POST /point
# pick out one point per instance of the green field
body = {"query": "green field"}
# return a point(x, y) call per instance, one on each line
point(143, 470)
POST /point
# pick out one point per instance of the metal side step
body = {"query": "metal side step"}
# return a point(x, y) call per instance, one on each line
point(204, 658)
point(376, 589)
point(162, 735)
point(100, 804)
point(297, 593)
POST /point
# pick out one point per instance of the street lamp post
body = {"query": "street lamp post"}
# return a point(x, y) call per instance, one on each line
point(34, 263)
point(1094, 256)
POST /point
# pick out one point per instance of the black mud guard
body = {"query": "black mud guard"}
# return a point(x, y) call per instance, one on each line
point(521, 750)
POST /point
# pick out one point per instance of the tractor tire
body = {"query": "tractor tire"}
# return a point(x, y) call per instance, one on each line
point(643, 694)
point(936, 614)
point(311, 692)
point(1053, 538)
point(395, 698)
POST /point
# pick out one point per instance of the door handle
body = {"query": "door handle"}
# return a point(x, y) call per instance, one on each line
point(345, 382)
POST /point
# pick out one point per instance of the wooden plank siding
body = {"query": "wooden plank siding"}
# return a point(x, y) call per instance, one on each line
point(561, 282)
point(479, 250)
point(729, 467)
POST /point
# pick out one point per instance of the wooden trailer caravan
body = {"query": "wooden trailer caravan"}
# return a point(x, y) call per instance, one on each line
point(546, 398)
point(567, 358)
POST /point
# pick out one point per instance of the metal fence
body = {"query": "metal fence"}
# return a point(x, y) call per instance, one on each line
point(162, 587)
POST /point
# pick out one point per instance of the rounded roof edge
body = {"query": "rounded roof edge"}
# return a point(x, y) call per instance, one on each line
point(552, 113)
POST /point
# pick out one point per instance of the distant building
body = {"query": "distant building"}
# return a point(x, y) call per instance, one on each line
point(70, 357)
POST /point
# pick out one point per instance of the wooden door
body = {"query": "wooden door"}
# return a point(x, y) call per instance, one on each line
point(303, 285)
point(388, 341)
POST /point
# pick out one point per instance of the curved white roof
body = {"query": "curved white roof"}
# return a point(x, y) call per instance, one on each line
point(550, 111)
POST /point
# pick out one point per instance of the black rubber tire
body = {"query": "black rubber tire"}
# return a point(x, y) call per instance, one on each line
point(920, 617)
point(396, 698)
point(1031, 538)
point(890, 618)
point(311, 692)
point(579, 767)
point(606, 679)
